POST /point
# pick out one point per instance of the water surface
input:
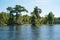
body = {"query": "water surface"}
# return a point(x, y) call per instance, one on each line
point(27, 32)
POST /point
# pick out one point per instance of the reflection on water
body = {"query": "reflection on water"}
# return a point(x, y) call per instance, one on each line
point(18, 33)
point(11, 33)
point(50, 31)
point(18, 28)
point(14, 33)
point(35, 33)
point(26, 32)
point(11, 28)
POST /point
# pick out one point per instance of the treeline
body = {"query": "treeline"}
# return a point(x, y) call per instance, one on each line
point(18, 19)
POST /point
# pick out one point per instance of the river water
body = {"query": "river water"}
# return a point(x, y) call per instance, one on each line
point(27, 32)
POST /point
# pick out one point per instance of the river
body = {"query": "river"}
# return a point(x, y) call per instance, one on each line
point(27, 32)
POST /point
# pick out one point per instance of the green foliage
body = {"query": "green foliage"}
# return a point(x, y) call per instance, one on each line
point(3, 18)
point(37, 11)
point(50, 18)
point(17, 9)
point(26, 19)
point(57, 20)
point(33, 22)
point(35, 19)
point(18, 19)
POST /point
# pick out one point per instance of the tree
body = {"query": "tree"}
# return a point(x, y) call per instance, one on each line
point(19, 9)
point(33, 17)
point(37, 11)
point(50, 18)
point(11, 16)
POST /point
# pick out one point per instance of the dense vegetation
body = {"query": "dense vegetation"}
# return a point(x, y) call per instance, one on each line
point(18, 19)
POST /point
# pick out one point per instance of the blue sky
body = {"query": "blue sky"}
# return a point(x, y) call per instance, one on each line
point(45, 5)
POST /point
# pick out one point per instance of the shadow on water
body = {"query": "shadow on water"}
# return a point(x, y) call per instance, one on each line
point(35, 33)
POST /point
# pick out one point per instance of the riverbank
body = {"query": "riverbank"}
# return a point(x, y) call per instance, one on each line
point(29, 24)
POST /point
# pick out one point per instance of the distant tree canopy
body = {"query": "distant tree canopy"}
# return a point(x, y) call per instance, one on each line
point(18, 19)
